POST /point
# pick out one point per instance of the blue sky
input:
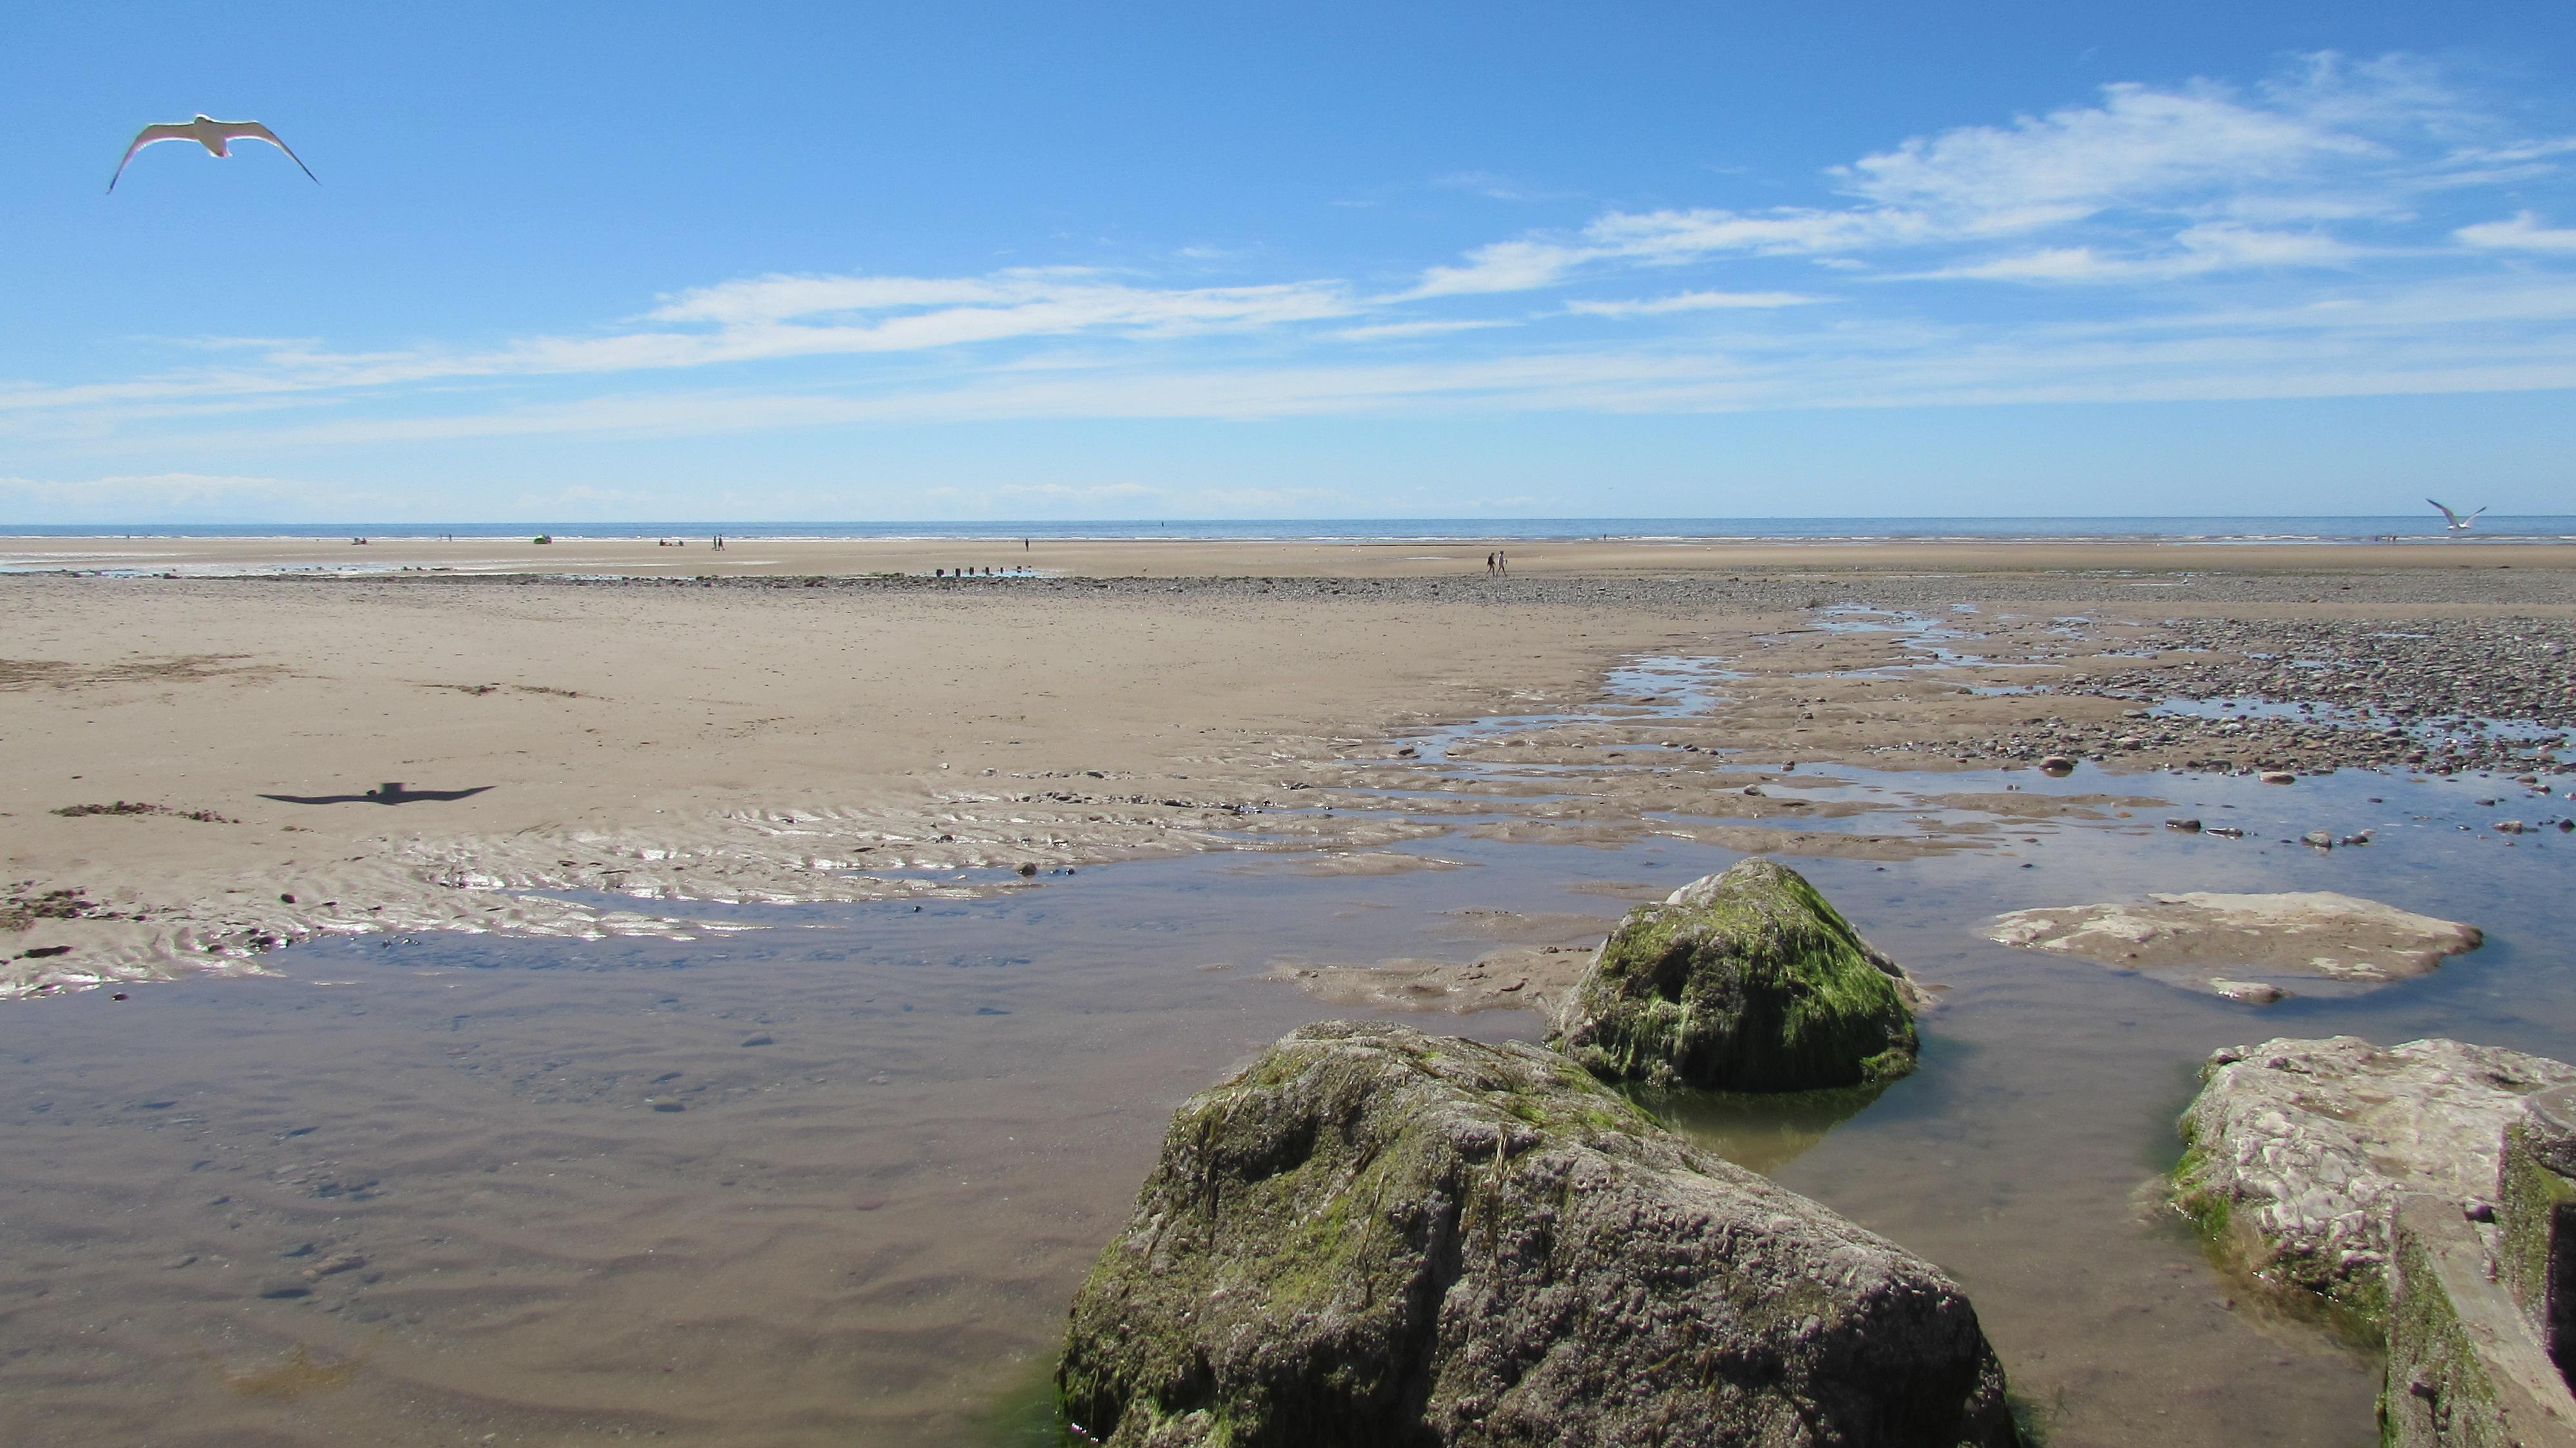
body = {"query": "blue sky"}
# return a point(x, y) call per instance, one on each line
point(985, 260)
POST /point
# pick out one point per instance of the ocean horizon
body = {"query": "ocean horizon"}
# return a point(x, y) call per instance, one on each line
point(2209, 528)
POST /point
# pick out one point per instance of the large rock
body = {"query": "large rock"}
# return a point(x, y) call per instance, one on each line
point(1373, 1236)
point(2297, 1151)
point(2201, 940)
point(1746, 981)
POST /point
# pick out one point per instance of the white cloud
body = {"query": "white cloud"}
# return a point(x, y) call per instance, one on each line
point(1505, 266)
point(2138, 146)
point(1693, 302)
point(2336, 142)
point(2523, 233)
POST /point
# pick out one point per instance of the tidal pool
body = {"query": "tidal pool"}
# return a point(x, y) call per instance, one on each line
point(833, 1180)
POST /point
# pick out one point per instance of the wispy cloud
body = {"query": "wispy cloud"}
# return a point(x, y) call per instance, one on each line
point(2189, 180)
point(1494, 187)
point(2523, 233)
point(1694, 302)
point(2195, 251)
point(1385, 330)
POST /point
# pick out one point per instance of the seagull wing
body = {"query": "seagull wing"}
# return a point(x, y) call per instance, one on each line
point(236, 130)
point(2447, 514)
point(146, 137)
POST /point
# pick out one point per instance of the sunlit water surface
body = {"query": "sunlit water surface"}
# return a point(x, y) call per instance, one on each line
point(835, 1180)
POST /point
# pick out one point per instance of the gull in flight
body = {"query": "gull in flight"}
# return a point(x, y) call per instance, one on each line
point(2458, 523)
point(216, 136)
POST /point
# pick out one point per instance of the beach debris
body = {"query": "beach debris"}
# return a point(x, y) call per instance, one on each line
point(2197, 937)
point(137, 807)
point(20, 910)
point(2296, 1150)
point(1745, 981)
point(1293, 1272)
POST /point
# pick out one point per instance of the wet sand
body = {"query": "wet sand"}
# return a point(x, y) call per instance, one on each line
point(192, 752)
point(419, 1186)
point(901, 1137)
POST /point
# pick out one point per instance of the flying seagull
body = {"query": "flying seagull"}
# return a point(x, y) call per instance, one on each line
point(2458, 523)
point(216, 136)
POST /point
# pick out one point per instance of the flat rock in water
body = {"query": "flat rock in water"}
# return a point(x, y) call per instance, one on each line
point(1745, 981)
point(1371, 1235)
point(2201, 939)
point(2297, 1150)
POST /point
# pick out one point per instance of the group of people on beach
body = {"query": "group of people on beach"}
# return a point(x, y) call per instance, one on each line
point(1498, 564)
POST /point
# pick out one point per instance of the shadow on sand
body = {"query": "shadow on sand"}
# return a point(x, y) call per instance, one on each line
point(389, 793)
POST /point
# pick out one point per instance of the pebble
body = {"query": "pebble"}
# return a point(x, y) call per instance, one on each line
point(2279, 776)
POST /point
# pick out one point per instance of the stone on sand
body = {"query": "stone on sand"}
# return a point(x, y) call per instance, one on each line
point(1370, 1235)
point(2199, 938)
point(1745, 981)
point(2297, 1150)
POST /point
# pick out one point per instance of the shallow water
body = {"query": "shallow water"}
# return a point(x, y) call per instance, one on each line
point(835, 1179)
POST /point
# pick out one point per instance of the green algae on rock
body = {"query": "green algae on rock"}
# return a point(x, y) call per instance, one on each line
point(1375, 1236)
point(1745, 981)
point(2296, 1151)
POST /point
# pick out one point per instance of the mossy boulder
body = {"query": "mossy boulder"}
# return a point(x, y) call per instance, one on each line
point(1373, 1236)
point(1745, 981)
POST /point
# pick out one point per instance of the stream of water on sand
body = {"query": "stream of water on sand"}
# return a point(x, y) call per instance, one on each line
point(834, 1180)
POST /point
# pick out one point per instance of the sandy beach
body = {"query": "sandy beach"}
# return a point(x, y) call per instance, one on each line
point(203, 744)
point(706, 1039)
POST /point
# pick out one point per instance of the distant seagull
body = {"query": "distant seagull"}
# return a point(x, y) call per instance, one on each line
point(2458, 523)
point(216, 136)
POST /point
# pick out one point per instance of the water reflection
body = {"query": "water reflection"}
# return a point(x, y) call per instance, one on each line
point(1759, 1132)
point(906, 1134)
